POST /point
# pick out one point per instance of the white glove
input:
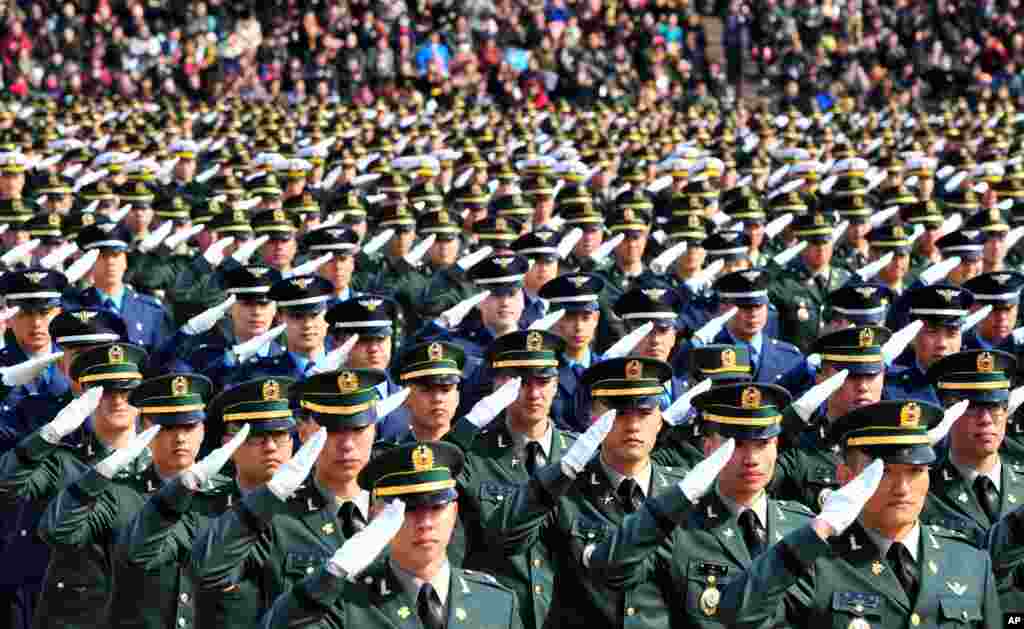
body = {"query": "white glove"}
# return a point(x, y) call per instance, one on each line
point(452, 317)
point(842, 506)
point(71, 416)
point(679, 409)
point(310, 266)
point(938, 271)
point(201, 472)
point(839, 230)
point(899, 341)
point(704, 276)
point(1016, 399)
point(775, 226)
point(471, 260)
point(206, 319)
point(209, 173)
point(1013, 237)
point(586, 445)
point(174, 240)
point(699, 480)
point(548, 320)
point(871, 270)
point(337, 357)
point(569, 242)
point(419, 250)
point(975, 318)
point(245, 351)
point(16, 254)
point(883, 216)
point(625, 345)
point(290, 475)
point(27, 371)
point(484, 411)
point(356, 554)
point(785, 257)
point(246, 249)
point(374, 244)
point(707, 332)
point(606, 249)
point(952, 414)
point(663, 263)
point(80, 267)
point(155, 237)
point(8, 313)
point(214, 254)
point(114, 463)
point(388, 405)
point(807, 403)
point(57, 257)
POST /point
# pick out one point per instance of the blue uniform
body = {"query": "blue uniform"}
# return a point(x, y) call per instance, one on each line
point(908, 383)
point(778, 362)
point(51, 382)
point(145, 317)
point(204, 353)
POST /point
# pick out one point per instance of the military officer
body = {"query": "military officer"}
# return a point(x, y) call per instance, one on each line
point(867, 560)
point(407, 280)
point(891, 238)
point(540, 249)
point(302, 302)
point(856, 303)
point(583, 214)
point(340, 270)
point(37, 294)
point(78, 585)
point(201, 276)
point(710, 529)
point(993, 227)
point(374, 318)
point(581, 501)
point(1001, 290)
point(283, 531)
point(800, 293)
point(942, 308)
point(632, 218)
point(731, 247)
point(929, 216)
point(807, 466)
point(578, 294)
point(976, 485)
point(773, 361)
point(147, 321)
point(279, 251)
point(967, 245)
point(414, 492)
point(851, 205)
point(160, 537)
point(433, 373)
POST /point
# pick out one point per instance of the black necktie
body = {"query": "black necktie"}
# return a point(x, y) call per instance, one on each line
point(754, 534)
point(351, 521)
point(988, 496)
point(630, 496)
point(905, 568)
point(534, 458)
point(429, 608)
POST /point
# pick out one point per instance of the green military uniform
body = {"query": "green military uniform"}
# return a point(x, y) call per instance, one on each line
point(160, 539)
point(958, 498)
point(568, 515)
point(800, 295)
point(422, 475)
point(266, 545)
point(1006, 547)
point(707, 541)
point(856, 579)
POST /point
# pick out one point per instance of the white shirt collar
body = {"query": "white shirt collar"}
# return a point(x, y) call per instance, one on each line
point(519, 440)
point(911, 540)
point(760, 506)
point(411, 584)
point(970, 474)
point(643, 479)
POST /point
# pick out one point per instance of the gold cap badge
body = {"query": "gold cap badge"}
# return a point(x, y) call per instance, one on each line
point(422, 458)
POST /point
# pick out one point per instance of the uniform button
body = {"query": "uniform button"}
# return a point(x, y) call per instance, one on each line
point(309, 570)
point(184, 597)
point(60, 585)
point(915, 619)
point(536, 563)
point(24, 533)
point(182, 622)
point(538, 589)
point(630, 611)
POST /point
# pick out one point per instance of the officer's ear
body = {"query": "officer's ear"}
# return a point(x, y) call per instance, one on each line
point(710, 442)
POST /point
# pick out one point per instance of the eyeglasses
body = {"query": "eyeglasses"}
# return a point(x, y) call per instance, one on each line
point(279, 438)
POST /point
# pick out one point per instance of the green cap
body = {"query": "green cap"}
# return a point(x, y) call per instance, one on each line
point(113, 366)
point(174, 399)
point(262, 403)
point(341, 399)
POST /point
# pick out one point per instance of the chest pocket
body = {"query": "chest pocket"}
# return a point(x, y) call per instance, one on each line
point(587, 532)
point(821, 479)
point(495, 493)
point(857, 610)
point(298, 566)
point(955, 611)
point(705, 581)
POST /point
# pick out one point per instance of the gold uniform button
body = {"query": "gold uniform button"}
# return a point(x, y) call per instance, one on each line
point(181, 622)
point(184, 597)
point(536, 563)
point(630, 611)
point(915, 619)
point(538, 589)
point(309, 570)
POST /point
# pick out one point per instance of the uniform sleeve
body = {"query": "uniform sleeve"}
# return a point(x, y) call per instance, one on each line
point(777, 588)
point(621, 560)
point(84, 513)
point(516, 524)
point(221, 552)
point(149, 541)
point(993, 610)
point(35, 471)
point(308, 603)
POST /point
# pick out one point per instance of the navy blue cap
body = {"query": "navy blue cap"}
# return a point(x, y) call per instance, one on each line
point(365, 315)
point(727, 245)
point(104, 236)
point(500, 274)
point(77, 328)
point(175, 399)
point(743, 288)
point(573, 292)
point(541, 243)
point(940, 303)
point(331, 239)
point(303, 293)
point(965, 243)
point(659, 305)
point(861, 303)
point(1001, 289)
point(33, 289)
point(251, 283)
